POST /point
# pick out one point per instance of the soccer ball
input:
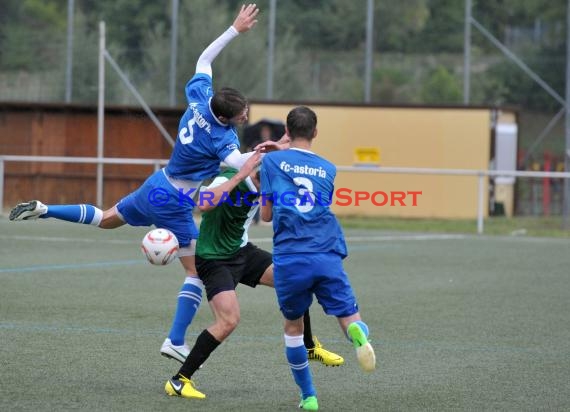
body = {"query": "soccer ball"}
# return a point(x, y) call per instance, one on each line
point(160, 246)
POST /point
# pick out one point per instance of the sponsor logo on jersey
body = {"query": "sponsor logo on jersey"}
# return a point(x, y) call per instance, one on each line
point(199, 119)
point(303, 169)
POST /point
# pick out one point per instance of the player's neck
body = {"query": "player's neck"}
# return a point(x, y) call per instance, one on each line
point(301, 144)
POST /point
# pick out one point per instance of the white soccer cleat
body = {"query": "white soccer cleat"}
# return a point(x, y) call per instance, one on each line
point(179, 353)
point(366, 357)
point(28, 210)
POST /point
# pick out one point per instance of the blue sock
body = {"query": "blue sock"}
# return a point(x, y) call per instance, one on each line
point(296, 353)
point(189, 300)
point(86, 214)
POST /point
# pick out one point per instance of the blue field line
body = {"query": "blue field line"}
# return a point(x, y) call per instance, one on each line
point(113, 331)
point(379, 344)
point(78, 329)
point(43, 268)
point(94, 265)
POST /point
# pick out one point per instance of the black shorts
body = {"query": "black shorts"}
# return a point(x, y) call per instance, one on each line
point(246, 266)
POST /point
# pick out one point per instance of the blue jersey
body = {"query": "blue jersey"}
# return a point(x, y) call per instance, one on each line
point(301, 185)
point(203, 141)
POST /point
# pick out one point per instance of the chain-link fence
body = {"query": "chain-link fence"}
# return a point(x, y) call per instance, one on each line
point(418, 49)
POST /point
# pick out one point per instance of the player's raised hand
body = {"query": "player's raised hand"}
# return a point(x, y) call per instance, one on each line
point(249, 166)
point(271, 146)
point(245, 20)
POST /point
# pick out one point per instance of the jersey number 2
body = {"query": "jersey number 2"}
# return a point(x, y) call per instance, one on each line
point(306, 200)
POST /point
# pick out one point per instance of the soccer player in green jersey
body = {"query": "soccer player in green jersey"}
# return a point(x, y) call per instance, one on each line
point(224, 258)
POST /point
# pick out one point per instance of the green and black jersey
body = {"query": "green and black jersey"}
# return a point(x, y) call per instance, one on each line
point(223, 230)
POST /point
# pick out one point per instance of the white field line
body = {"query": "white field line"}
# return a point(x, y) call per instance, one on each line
point(380, 238)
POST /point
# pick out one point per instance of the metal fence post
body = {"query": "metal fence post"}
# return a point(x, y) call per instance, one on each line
point(480, 201)
point(368, 59)
point(69, 62)
point(173, 52)
point(271, 48)
point(566, 190)
point(101, 113)
point(467, 54)
point(1, 185)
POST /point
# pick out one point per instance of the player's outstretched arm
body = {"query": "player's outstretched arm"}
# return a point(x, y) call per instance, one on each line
point(244, 21)
point(216, 190)
point(236, 159)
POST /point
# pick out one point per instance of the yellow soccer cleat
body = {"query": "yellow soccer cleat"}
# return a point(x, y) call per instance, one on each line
point(324, 356)
point(183, 387)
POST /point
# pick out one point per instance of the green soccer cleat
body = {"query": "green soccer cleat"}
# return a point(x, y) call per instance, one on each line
point(183, 387)
point(310, 403)
point(364, 351)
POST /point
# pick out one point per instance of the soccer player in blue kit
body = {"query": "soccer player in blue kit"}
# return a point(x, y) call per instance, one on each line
point(206, 136)
point(308, 247)
point(224, 258)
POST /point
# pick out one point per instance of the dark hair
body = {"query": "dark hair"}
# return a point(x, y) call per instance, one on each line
point(301, 122)
point(228, 102)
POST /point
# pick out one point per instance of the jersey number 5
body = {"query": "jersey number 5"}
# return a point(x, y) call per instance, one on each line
point(186, 134)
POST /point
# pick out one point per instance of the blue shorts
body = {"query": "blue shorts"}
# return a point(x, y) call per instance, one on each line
point(297, 277)
point(157, 202)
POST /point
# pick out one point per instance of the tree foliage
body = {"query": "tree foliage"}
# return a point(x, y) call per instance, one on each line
point(128, 23)
point(441, 87)
point(22, 48)
point(319, 52)
point(442, 31)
